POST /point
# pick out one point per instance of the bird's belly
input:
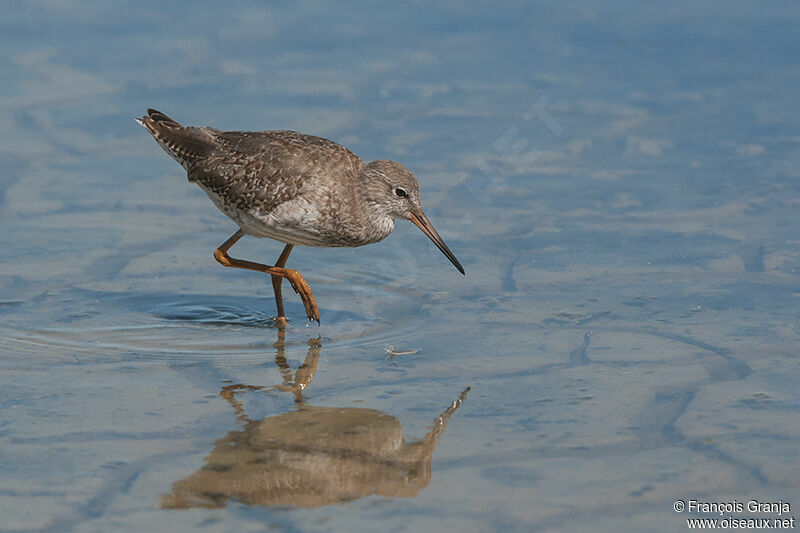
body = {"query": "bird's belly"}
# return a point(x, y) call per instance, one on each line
point(294, 222)
point(258, 226)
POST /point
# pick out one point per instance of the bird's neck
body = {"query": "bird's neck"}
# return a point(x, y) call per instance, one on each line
point(376, 226)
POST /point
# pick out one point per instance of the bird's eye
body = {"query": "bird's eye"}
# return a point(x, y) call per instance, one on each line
point(400, 192)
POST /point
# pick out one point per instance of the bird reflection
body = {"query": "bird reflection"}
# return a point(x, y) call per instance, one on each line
point(311, 456)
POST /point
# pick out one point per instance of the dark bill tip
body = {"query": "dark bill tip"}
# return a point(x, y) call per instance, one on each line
point(421, 221)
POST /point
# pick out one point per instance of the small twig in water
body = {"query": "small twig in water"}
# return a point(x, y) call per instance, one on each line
point(391, 352)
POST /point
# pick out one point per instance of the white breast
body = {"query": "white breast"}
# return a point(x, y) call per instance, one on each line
point(294, 222)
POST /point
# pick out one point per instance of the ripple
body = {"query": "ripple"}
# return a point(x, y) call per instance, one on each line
point(104, 325)
point(224, 313)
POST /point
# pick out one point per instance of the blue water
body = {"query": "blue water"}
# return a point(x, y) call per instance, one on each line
point(621, 183)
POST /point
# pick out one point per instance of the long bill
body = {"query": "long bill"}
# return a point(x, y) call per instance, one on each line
point(421, 221)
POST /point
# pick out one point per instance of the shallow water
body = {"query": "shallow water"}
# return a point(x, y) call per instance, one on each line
point(620, 183)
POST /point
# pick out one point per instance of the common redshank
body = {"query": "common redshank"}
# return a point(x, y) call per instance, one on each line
point(294, 188)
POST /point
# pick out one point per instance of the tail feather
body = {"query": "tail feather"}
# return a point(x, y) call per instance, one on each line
point(184, 144)
point(158, 116)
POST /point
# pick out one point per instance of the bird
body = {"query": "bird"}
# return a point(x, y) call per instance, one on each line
point(294, 188)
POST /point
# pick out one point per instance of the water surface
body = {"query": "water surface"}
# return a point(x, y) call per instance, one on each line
point(620, 183)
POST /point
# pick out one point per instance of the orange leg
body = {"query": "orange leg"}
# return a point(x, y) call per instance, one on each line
point(276, 283)
point(298, 283)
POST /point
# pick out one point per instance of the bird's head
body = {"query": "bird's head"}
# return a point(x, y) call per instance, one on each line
point(394, 192)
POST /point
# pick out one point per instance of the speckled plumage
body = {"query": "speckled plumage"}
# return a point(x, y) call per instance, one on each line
point(285, 185)
point(294, 188)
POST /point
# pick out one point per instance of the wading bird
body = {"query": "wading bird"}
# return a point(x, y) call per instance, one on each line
point(295, 188)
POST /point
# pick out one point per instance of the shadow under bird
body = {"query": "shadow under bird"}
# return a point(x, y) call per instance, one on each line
point(295, 188)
